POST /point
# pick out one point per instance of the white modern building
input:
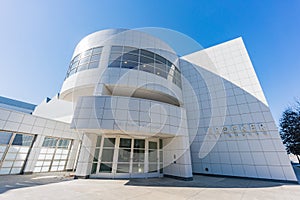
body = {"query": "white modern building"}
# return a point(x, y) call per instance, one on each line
point(130, 107)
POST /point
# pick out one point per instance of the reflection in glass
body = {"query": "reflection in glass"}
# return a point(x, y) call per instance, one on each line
point(152, 145)
point(152, 155)
point(109, 142)
point(96, 155)
point(105, 167)
point(139, 143)
point(124, 155)
point(138, 155)
point(94, 168)
point(123, 168)
point(107, 155)
point(138, 168)
point(5, 137)
point(140, 59)
point(152, 167)
point(125, 143)
point(88, 59)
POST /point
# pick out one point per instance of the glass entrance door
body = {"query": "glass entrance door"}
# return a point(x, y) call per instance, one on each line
point(125, 157)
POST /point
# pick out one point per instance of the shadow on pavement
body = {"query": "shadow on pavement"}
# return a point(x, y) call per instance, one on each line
point(202, 181)
point(11, 182)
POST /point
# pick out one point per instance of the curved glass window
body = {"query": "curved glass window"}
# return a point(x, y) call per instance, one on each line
point(88, 59)
point(141, 59)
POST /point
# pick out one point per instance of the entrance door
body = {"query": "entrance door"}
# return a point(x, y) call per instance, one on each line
point(125, 157)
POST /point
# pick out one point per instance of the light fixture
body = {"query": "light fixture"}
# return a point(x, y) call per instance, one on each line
point(125, 62)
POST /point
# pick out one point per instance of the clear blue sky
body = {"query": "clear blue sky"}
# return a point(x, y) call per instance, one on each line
point(37, 38)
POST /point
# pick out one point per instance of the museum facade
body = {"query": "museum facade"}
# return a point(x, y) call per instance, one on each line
point(131, 107)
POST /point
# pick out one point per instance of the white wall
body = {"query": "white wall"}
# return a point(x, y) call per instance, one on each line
point(41, 127)
point(235, 133)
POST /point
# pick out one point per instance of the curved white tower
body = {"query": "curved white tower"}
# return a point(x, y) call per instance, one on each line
point(127, 89)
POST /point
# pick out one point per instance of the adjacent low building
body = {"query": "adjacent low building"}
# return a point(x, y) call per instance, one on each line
point(131, 107)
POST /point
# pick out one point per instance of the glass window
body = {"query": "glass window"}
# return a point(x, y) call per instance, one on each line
point(152, 155)
point(169, 64)
point(123, 168)
point(107, 155)
point(98, 143)
point(93, 65)
point(138, 155)
point(160, 143)
point(84, 60)
point(135, 52)
point(96, 155)
point(97, 50)
point(146, 60)
point(161, 66)
point(94, 168)
point(105, 167)
point(124, 155)
point(115, 56)
point(76, 58)
point(160, 156)
point(74, 64)
point(160, 59)
point(2, 148)
point(95, 57)
point(109, 142)
point(49, 142)
point(138, 143)
point(116, 48)
point(161, 73)
point(125, 143)
point(64, 143)
point(82, 67)
point(73, 71)
point(147, 53)
point(129, 64)
point(147, 68)
point(5, 137)
point(130, 57)
point(23, 140)
point(86, 53)
point(152, 145)
point(137, 168)
point(116, 64)
point(130, 50)
point(152, 167)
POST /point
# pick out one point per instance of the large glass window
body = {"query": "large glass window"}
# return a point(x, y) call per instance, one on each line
point(107, 155)
point(4, 141)
point(96, 155)
point(138, 156)
point(141, 59)
point(124, 155)
point(88, 59)
point(53, 155)
point(153, 156)
point(5, 137)
point(127, 155)
point(14, 149)
point(23, 140)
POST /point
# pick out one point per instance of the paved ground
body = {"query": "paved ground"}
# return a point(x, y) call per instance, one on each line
point(62, 186)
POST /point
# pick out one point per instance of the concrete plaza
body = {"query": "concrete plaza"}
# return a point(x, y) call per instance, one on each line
point(63, 186)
